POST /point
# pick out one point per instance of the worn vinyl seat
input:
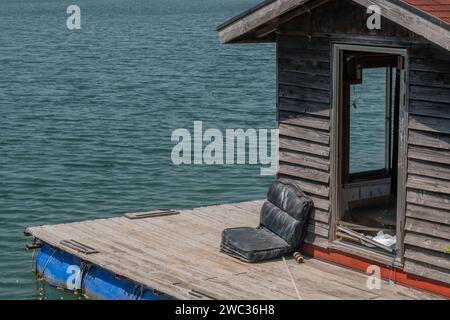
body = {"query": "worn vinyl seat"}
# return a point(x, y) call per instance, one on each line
point(253, 244)
point(283, 219)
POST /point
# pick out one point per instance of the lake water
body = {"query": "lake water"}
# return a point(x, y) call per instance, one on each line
point(86, 115)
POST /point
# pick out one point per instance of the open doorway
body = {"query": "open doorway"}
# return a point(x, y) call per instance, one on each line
point(368, 167)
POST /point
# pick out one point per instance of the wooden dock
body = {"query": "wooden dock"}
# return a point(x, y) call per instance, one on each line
point(179, 255)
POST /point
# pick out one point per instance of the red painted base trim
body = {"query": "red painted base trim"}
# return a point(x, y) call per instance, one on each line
point(361, 264)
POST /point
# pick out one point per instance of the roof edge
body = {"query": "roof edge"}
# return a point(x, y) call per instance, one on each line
point(243, 14)
point(423, 14)
point(253, 19)
point(257, 18)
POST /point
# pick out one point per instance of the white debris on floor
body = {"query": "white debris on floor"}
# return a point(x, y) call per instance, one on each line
point(385, 239)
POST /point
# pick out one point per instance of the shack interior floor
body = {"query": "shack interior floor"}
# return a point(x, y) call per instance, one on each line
point(382, 216)
point(179, 255)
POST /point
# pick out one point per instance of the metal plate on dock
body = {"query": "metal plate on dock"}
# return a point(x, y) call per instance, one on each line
point(78, 246)
point(151, 214)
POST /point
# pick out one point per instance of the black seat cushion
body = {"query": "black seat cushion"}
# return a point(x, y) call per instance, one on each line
point(282, 227)
point(290, 198)
point(253, 245)
point(281, 223)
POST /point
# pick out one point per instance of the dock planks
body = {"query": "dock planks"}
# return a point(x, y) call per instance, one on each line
point(179, 255)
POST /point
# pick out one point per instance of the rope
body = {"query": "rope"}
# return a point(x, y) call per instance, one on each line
point(141, 293)
point(133, 295)
point(394, 256)
point(47, 262)
point(34, 261)
point(138, 292)
point(292, 279)
point(84, 271)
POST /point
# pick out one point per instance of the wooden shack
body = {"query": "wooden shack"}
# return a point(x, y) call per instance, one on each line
point(363, 113)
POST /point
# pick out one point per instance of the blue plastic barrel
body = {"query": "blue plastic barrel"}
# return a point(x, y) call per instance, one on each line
point(63, 270)
point(55, 266)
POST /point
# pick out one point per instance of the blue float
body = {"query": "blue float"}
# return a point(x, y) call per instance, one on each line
point(63, 270)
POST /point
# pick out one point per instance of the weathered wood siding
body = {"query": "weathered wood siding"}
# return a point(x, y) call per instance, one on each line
point(304, 100)
point(304, 108)
point(427, 228)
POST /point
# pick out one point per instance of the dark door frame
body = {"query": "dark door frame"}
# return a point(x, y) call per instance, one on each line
point(336, 148)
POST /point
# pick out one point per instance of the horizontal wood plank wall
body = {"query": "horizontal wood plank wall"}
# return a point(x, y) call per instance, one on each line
point(304, 108)
point(305, 96)
point(427, 237)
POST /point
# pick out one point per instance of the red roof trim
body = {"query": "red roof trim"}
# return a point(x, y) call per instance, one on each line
point(437, 8)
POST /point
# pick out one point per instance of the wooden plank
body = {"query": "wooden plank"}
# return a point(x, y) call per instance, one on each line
point(305, 160)
point(429, 199)
point(428, 154)
point(318, 228)
point(426, 139)
point(320, 202)
point(302, 93)
point(304, 133)
point(430, 94)
point(343, 278)
point(303, 146)
point(428, 52)
point(321, 216)
point(150, 214)
point(320, 69)
point(277, 11)
point(432, 170)
point(363, 229)
point(427, 271)
point(302, 42)
point(431, 109)
point(251, 207)
point(426, 242)
point(428, 228)
point(427, 213)
point(428, 184)
point(317, 240)
point(310, 187)
point(305, 80)
point(303, 106)
point(304, 173)
point(430, 79)
point(304, 120)
point(441, 260)
point(425, 63)
point(364, 238)
point(361, 251)
point(310, 53)
point(429, 124)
